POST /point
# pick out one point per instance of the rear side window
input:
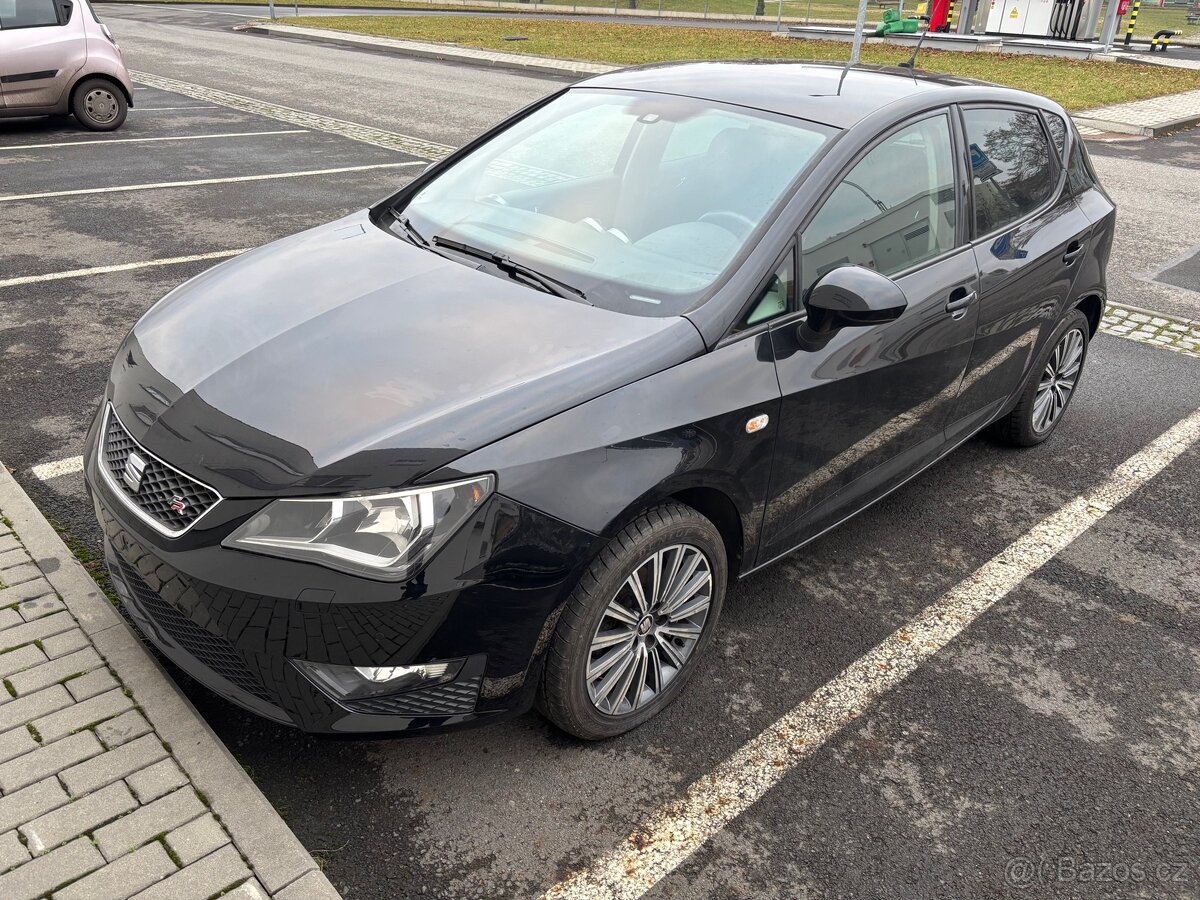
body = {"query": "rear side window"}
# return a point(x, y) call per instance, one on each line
point(28, 13)
point(1058, 132)
point(894, 209)
point(1011, 168)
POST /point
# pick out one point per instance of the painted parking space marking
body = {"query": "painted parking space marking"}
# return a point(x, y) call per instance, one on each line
point(46, 471)
point(413, 146)
point(148, 140)
point(119, 267)
point(678, 829)
point(198, 182)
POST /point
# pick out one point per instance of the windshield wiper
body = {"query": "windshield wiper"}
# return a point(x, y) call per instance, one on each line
point(514, 269)
point(411, 230)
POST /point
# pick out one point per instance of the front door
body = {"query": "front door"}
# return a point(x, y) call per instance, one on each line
point(1030, 233)
point(43, 44)
point(870, 407)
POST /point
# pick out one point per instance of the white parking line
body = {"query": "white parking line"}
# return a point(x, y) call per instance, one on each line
point(147, 140)
point(119, 267)
point(203, 181)
point(166, 108)
point(678, 829)
point(62, 467)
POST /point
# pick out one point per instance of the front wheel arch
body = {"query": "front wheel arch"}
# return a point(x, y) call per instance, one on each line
point(715, 504)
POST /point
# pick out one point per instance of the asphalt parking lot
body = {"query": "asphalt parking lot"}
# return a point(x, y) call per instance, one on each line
point(1050, 748)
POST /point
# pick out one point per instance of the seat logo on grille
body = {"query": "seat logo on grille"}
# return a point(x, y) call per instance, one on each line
point(135, 468)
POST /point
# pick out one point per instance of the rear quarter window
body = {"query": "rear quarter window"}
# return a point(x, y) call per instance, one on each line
point(1012, 172)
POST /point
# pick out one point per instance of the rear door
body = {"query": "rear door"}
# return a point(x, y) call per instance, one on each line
point(870, 407)
point(43, 44)
point(1030, 236)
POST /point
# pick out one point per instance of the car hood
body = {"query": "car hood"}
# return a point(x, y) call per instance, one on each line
point(344, 358)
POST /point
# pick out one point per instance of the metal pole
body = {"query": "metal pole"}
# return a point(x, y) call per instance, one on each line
point(966, 21)
point(779, 17)
point(858, 32)
point(1109, 31)
point(1137, 4)
point(271, 3)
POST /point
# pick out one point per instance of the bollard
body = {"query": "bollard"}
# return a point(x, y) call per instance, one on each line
point(1165, 36)
point(1137, 4)
point(949, 26)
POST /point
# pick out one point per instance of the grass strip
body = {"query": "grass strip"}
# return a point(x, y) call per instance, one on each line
point(1075, 84)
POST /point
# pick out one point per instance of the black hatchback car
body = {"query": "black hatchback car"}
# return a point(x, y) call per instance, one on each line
point(507, 436)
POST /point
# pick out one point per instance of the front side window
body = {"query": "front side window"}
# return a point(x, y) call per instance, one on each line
point(1011, 170)
point(28, 13)
point(894, 209)
point(642, 201)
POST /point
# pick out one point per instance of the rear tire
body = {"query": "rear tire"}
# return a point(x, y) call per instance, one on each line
point(99, 105)
point(1052, 382)
point(677, 557)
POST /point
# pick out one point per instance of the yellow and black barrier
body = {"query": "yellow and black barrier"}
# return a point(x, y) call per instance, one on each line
point(1137, 4)
point(1165, 37)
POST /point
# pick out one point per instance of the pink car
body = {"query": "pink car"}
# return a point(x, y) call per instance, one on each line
point(56, 59)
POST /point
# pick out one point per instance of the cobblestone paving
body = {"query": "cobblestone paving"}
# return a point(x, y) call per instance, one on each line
point(418, 147)
point(1157, 112)
point(1180, 335)
point(92, 804)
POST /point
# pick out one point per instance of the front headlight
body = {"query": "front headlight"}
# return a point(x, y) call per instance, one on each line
point(383, 536)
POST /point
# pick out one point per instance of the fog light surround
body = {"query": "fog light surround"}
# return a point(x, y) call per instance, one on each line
point(360, 682)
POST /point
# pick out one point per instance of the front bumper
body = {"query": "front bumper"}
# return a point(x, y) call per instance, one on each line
point(233, 620)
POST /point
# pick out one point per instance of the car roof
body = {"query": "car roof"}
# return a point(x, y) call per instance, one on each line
point(819, 92)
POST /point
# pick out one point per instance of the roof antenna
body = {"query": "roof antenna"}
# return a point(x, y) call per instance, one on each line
point(911, 65)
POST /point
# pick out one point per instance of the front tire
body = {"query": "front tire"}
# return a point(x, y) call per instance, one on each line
point(1051, 384)
point(99, 105)
point(641, 616)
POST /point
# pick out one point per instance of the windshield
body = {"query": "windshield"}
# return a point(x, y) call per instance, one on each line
point(641, 201)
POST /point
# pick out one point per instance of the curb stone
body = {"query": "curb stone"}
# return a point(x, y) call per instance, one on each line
point(277, 862)
point(546, 65)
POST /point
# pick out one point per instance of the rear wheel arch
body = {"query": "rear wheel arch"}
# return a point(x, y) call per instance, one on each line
point(97, 76)
point(1093, 308)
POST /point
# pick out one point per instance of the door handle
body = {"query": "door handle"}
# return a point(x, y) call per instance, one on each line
point(960, 299)
point(1074, 250)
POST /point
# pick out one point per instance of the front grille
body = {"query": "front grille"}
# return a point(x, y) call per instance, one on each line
point(451, 699)
point(210, 649)
point(166, 497)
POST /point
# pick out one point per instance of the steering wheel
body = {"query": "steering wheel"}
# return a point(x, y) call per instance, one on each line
point(735, 223)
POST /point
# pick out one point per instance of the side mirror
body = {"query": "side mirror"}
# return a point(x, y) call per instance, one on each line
point(853, 295)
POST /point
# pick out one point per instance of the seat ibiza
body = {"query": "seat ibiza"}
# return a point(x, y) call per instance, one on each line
point(507, 437)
